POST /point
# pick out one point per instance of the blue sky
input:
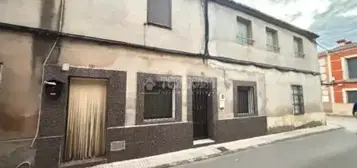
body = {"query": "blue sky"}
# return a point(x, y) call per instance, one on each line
point(331, 19)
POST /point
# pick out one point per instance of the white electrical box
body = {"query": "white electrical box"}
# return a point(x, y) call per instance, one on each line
point(65, 67)
point(222, 101)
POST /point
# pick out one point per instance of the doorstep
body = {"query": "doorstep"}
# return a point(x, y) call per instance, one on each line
point(203, 142)
point(202, 153)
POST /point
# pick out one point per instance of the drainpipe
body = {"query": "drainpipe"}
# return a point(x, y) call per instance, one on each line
point(206, 23)
point(332, 93)
point(43, 69)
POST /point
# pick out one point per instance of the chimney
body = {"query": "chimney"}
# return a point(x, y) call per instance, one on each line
point(341, 42)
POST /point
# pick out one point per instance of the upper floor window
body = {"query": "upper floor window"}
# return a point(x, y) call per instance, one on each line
point(351, 68)
point(272, 40)
point(298, 47)
point(244, 35)
point(351, 96)
point(159, 13)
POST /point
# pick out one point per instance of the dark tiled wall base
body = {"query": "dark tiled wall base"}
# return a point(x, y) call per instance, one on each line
point(48, 150)
point(240, 128)
point(150, 140)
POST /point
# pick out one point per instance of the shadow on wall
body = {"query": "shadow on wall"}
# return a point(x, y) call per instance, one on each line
point(15, 126)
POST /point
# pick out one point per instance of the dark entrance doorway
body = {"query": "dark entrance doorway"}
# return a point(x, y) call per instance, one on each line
point(201, 109)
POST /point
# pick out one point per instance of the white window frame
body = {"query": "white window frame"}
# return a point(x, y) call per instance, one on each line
point(344, 91)
point(345, 67)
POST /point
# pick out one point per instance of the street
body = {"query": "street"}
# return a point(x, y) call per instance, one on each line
point(326, 150)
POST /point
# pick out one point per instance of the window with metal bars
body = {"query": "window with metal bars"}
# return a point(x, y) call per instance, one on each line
point(246, 103)
point(159, 101)
point(298, 99)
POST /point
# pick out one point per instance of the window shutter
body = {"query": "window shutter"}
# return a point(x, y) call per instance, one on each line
point(159, 12)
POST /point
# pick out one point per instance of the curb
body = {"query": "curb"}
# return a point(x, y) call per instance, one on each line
point(336, 115)
point(227, 152)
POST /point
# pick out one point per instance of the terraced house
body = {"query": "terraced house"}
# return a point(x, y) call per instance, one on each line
point(125, 79)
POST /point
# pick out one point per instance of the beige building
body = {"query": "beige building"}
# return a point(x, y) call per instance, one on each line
point(116, 80)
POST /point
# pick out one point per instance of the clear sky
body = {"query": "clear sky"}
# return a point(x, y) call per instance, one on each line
point(331, 19)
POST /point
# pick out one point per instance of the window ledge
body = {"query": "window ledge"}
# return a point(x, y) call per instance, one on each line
point(245, 115)
point(300, 55)
point(157, 25)
point(159, 121)
point(350, 80)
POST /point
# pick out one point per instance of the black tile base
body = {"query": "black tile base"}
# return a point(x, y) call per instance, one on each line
point(150, 140)
point(48, 151)
point(240, 128)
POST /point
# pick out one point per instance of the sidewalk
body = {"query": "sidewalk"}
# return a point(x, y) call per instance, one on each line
point(196, 154)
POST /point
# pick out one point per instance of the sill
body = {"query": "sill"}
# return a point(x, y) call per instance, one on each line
point(245, 115)
point(350, 80)
point(159, 121)
point(83, 163)
point(299, 114)
point(158, 25)
point(275, 52)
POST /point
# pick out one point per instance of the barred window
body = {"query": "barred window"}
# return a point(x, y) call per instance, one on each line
point(159, 101)
point(298, 99)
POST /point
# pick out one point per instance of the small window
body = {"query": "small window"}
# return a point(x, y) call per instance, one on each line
point(246, 103)
point(298, 99)
point(272, 40)
point(352, 67)
point(351, 96)
point(159, 12)
point(159, 101)
point(244, 35)
point(298, 47)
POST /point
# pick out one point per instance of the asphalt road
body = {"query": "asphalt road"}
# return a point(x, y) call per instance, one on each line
point(336, 149)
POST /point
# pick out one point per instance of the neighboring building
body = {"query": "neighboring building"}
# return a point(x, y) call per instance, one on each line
point(339, 73)
point(133, 78)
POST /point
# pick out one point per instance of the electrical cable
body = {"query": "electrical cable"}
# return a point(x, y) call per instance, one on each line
point(43, 71)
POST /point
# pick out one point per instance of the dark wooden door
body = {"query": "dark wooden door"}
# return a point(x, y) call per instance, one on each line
point(200, 97)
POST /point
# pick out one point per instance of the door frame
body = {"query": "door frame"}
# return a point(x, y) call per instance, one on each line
point(66, 118)
point(212, 112)
point(54, 112)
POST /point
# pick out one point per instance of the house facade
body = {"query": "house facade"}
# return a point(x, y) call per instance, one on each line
point(125, 79)
point(339, 73)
